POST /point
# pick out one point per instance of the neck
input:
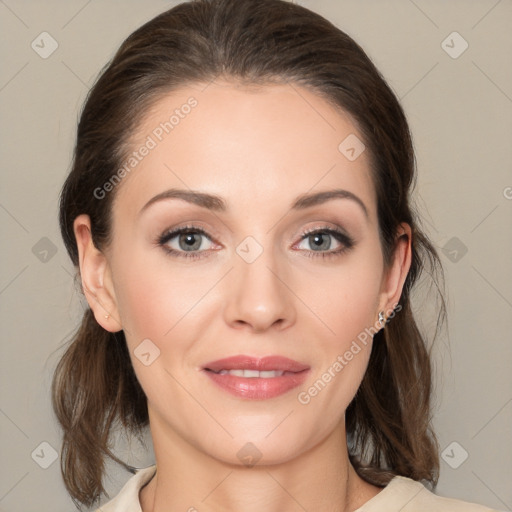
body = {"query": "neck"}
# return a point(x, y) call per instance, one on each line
point(187, 479)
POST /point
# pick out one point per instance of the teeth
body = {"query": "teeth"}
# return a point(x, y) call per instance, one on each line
point(270, 373)
point(253, 374)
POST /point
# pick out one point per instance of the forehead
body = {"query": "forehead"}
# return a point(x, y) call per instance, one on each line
point(263, 143)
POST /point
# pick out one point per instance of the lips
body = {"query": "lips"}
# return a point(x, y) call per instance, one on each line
point(256, 378)
point(270, 363)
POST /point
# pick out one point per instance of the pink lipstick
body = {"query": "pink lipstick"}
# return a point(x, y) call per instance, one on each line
point(256, 378)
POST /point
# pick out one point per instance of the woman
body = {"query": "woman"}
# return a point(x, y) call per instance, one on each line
point(238, 210)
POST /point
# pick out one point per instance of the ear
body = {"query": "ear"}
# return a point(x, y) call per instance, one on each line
point(96, 277)
point(394, 278)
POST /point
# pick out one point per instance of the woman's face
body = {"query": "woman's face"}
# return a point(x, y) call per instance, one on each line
point(265, 267)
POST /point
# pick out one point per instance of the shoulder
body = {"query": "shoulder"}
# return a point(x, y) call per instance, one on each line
point(127, 500)
point(407, 495)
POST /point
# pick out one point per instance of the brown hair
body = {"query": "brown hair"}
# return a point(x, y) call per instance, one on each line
point(268, 41)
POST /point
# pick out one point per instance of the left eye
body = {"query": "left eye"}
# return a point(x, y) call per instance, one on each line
point(322, 240)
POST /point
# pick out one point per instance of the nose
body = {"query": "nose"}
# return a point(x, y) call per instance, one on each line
point(258, 296)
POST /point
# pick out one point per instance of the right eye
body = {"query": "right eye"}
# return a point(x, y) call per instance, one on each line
point(185, 242)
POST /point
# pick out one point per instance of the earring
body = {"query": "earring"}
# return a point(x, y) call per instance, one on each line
point(382, 319)
point(107, 317)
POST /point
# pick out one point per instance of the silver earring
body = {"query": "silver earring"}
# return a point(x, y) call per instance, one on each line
point(382, 319)
point(107, 317)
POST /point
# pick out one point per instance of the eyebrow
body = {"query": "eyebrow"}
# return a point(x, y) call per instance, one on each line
point(216, 203)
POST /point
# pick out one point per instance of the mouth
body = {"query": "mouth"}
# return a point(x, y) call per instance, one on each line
point(256, 378)
point(252, 374)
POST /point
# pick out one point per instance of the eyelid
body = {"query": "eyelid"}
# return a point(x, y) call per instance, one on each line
point(325, 227)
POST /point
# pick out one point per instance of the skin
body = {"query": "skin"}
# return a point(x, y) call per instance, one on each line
point(259, 148)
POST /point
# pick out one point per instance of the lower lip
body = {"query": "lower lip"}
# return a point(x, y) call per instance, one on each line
point(258, 388)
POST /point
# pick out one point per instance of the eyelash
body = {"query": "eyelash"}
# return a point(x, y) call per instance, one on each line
point(341, 237)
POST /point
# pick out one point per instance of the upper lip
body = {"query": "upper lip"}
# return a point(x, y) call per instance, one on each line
point(245, 362)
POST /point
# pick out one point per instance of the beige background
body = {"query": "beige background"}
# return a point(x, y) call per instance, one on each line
point(460, 110)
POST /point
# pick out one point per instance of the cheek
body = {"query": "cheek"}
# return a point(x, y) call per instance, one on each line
point(342, 357)
point(155, 305)
point(149, 295)
point(347, 306)
point(140, 303)
point(347, 299)
point(160, 302)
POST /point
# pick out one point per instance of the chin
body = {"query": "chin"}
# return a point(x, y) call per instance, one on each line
point(251, 447)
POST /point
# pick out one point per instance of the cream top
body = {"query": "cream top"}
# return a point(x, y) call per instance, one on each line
point(400, 495)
